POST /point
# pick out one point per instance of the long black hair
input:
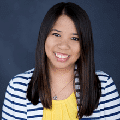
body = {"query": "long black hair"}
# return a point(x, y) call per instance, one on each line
point(90, 87)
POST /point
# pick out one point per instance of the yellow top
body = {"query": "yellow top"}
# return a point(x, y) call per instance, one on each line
point(62, 109)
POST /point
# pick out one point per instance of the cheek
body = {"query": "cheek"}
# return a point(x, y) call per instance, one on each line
point(78, 55)
point(48, 46)
point(78, 52)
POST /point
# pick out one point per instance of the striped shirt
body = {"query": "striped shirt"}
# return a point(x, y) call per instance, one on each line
point(17, 107)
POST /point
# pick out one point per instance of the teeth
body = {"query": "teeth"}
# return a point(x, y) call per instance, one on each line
point(61, 56)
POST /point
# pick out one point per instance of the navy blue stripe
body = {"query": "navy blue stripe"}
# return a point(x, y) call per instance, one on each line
point(109, 77)
point(77, 83)
point(16, 96)
point(20, 90)
point(112, 99)
point(29, 103)
point(107, 101)
point(118, 119)
point(103, 81)
point(105, 75)
point(11, 87)
point(103, 95)
point(40, 108)
point(111, 92)
point(13, 116)
point(34, 116)
point(98, 117)
point(110, 85)
point(111, 107)
point(14, 109)
point(12, 102)
point(107, 108)
point(102, 88)
point(26, 78)
point(24, 84)
point(17, 89)
point(3, 118)
point(112, 114)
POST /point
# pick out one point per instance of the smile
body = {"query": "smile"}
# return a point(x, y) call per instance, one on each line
point(62, 58)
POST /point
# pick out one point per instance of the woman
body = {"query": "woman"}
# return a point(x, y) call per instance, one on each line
point(64, 84)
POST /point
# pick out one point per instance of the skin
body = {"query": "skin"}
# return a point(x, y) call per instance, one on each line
point(62, 73)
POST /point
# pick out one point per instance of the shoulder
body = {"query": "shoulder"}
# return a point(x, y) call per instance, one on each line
point(110, 99)
point(104, 78)
point(102, 75)
point(22, 79)
point(14, 106)
point(108, 86)
point(18, 84)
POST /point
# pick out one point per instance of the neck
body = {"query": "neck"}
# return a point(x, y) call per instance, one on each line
point(59, 78)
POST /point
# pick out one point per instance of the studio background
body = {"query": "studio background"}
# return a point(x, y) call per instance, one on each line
point(20, 21)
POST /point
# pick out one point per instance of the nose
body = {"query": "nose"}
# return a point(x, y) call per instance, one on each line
point(63, 45)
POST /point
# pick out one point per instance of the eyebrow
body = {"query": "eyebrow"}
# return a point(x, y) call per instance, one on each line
point(61, 31)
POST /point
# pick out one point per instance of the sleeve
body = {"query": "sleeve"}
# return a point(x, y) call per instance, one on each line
point(13, 109)
point(112, 101)
point(7, 109)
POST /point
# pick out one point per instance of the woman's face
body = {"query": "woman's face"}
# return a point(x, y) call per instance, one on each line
point(63, 42)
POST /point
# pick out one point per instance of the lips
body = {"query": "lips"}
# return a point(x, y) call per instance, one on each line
point(62, 59)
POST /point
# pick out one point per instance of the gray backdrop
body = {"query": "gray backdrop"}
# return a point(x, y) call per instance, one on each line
point(20, 22)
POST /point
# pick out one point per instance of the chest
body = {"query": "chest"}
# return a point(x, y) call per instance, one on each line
point(62, 93)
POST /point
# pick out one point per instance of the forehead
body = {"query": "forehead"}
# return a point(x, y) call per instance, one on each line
point(64, 22)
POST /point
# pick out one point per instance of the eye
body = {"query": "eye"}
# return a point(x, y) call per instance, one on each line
point(74, 38)
point(57, 35)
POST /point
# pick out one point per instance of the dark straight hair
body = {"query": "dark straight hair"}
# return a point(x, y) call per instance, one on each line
point(90, 87)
